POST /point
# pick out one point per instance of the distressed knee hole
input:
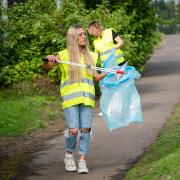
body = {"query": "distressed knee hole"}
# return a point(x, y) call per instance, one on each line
point(85, 130)
point(73, 132)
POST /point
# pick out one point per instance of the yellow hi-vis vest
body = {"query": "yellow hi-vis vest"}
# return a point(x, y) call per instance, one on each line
point(77, 92)
point(103, 45)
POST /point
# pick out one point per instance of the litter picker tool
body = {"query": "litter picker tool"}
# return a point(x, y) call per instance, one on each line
point(87, 66)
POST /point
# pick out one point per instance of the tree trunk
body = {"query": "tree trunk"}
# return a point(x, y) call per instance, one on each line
point(58, 3)
point(4, 3)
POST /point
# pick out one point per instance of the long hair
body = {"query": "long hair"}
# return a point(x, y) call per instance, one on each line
point(98, 27)
point(74, 54)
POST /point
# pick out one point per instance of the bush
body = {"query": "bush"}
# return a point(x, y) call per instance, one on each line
point(36, 29)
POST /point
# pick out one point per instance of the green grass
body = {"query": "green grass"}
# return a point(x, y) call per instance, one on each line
point(21, 114)
point(162, 160)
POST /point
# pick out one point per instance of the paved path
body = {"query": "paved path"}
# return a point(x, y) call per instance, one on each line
point(112, 153)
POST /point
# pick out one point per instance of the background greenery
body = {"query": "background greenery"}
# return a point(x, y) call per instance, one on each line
point(25, 110)
point(169, 11)
point(34, 29)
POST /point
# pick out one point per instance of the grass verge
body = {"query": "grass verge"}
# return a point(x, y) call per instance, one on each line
point(21, 114)
point(26, 120)
point(162, 160)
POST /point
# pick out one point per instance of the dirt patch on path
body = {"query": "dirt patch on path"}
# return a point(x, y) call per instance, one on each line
point(14, 151)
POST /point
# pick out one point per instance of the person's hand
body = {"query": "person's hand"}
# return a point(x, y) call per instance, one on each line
point(119, 42)
point(52, 58)
point(50, 61)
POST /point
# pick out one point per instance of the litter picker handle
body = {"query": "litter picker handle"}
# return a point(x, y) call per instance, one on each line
point(87, 66)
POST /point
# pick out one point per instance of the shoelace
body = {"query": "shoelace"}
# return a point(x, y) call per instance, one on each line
point(70, 162)
point(82, 164)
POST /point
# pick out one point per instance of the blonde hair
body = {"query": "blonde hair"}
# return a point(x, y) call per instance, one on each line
point(74, 53)
point(97, 26)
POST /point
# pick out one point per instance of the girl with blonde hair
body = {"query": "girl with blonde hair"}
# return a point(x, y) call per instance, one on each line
point(77, 95)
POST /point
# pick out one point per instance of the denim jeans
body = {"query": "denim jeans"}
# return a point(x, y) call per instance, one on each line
point(79, 117)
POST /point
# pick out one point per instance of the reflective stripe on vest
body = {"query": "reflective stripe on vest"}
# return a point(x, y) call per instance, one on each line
point(105, 45)
point(119, 56)
point(78, 94)
point(82, 92)
point(108, 51)
point(85, 80)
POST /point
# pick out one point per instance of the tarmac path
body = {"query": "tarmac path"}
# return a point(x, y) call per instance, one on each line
point(113, 153)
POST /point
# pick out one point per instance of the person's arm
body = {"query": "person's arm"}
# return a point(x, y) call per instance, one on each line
point(117, 40)
point(98, 77)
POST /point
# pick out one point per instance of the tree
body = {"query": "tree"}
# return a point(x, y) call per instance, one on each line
point(37, 28)
point(168, 11)
point(178, 16)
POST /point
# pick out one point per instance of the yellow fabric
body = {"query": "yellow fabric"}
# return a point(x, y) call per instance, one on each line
point(75, 87)
point(76, 93)
point(75, 101)
point(104, 43)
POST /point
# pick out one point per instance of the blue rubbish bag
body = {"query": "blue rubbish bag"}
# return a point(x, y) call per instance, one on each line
point(120, 102)
point(111, 63)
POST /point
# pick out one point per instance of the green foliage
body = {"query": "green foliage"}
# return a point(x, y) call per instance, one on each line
point(21, 114)
point(37, 28)
point(24, 70)
point(32, 30)
point(169, 13)
point(136, 23)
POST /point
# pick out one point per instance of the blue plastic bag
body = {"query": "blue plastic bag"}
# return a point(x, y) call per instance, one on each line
point(120, 101)
point(111, 63)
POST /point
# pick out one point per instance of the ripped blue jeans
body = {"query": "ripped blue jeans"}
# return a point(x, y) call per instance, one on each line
point(78, 117)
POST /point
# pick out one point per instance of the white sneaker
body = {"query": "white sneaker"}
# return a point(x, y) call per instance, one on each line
point(82, 168)
point(69, 163)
